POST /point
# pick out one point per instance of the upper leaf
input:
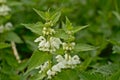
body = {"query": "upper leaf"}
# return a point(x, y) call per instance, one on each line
point(36, 28)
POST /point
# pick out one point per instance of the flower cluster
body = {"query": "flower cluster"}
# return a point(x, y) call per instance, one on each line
point(68, 46)
point(49, 45)
point(4, 9)
point(43, 67)
point(48, 31)
point(63, 63)
point(8, 26)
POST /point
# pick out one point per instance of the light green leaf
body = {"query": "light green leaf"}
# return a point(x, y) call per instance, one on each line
point(117, 15)
point(84, 47)
point(12, 36)
point(79, 28)
point(4, 45)
point(61, 34)
point(41, 14)
point(36, 28)
point(55, 17)
point(68, 24)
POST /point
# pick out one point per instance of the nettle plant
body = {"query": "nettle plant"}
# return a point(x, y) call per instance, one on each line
point(57, 56)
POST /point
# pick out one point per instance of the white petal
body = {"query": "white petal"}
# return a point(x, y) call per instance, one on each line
point(56, 68)
point(41, 38)
point(59, 58)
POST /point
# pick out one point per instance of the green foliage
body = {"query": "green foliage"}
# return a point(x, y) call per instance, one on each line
point(97, 41)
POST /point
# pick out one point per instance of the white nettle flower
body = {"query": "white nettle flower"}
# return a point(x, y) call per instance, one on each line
point(68, 61)
point(63, 63)
point(59, 58)
point(51, 45)
point(4, 10)
point(50, 73)
point(43, 67)
point(55, 42)
point(56, 68)
point(8, 26)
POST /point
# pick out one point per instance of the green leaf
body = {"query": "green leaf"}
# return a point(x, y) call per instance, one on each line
point(68, 24)
point(36, 28)
point(67, 74)
point(116, 49)
point(61, 34)
point(12, 36)
point(115, 76)
point(79, 28)
point(117, 15)
point(4, 45)
point(91, 76)
point(41, 14)
point(37, 59)
point(55, 17)
point(84, 47)
point(85, 64)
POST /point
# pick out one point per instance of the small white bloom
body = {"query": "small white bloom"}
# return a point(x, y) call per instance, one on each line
point(62, 64)
point(42, 44)
point(59, 58)
point(41, 38)
point(43, 67)
point(55, 42)
point(4, 10)
point(51, 73)
point(75, 59)
point(56, 68)
point(8, 26)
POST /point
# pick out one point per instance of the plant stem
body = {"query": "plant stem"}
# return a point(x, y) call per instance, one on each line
point(15, 52)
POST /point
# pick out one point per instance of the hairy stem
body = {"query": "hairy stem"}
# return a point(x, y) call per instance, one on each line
point(15, 52)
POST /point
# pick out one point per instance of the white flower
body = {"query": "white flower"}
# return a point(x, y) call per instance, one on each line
point(43, 67)
point(4, 10)
point(48, 45)
point(56, 68)
point(59, 58)
point(8, 26)
point(62, 64)
point(41, 38)
point(75, 59)
point(55, 42)
point(50, 73)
